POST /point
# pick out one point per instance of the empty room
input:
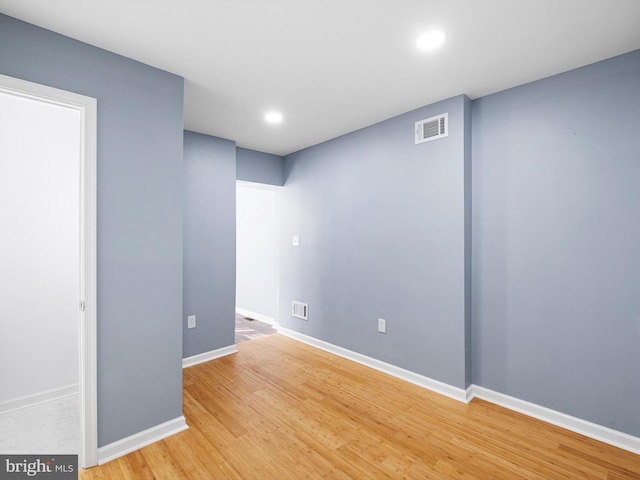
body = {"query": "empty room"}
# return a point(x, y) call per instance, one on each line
point(304, 239)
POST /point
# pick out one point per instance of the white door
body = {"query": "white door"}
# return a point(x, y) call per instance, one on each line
point(45, 284)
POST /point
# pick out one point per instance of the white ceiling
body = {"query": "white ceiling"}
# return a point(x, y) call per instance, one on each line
point(334, 66)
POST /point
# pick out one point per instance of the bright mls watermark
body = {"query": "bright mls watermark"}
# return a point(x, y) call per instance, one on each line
point(50, 467)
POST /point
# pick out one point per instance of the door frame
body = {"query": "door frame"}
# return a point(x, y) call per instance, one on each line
point(87, 324)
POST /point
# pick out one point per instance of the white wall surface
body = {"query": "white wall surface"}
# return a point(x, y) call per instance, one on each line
point(257, 258)
point(39, 246)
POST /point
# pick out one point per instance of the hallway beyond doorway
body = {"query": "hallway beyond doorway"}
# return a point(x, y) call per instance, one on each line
point(250, 329)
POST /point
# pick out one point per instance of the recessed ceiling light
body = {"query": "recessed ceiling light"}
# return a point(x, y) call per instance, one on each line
point(273, 117)
point(430, 40)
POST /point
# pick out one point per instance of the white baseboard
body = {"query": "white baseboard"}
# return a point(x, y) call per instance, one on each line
point(37, 398)
point(206, 356)
point(415, 378)
point(588, 429)
point(256, 316)
point(141, 439)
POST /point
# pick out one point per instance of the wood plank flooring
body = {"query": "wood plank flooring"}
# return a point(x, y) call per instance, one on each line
point(279, 409)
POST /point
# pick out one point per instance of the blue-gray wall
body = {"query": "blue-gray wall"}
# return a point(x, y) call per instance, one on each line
point(139, 219)
point(556, 242)
point(505, 255)
point(382, 232)
point(259, 167)
point(209, 242)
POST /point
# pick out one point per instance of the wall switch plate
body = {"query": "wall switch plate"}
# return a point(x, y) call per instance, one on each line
point(191, 321)
point(296, 241)
point(382, 325)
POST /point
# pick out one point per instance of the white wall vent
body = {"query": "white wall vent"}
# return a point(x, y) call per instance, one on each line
point(432, 128)
point(300, 310)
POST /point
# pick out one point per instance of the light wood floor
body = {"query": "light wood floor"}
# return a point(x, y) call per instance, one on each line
point(279, 409)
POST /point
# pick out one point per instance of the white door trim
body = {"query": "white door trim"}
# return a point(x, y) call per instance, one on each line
point(87, 106)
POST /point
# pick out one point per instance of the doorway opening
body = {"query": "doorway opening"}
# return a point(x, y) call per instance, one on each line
point(48, 198)
point(257, 278)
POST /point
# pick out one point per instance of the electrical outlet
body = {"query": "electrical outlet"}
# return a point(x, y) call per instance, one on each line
point(295, 241)
point(382, 325)
point(191, 321)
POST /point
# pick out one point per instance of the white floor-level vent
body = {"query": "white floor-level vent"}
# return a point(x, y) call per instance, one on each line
point(300, 310)
point(432, 128)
